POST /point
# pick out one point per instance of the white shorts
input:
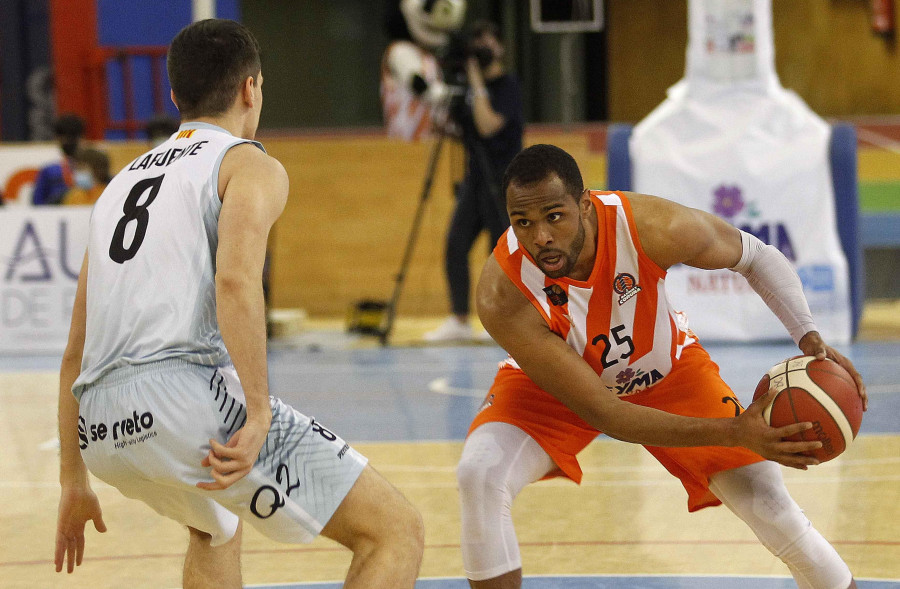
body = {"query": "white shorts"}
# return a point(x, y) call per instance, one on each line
point(145, 429)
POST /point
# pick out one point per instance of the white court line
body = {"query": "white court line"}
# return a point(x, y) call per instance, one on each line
point(663, 481)
point(648, 468)
point(442, 386)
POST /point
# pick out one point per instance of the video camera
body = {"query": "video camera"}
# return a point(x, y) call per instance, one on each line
point(453, 59)
point(456, 53)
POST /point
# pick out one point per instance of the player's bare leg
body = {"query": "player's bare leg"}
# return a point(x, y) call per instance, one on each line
point(510, 580)
point(384, 531)
point(208, 567)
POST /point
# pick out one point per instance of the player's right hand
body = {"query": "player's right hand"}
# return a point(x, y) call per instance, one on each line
point(77, 505)
point(232, 461)
point(767, 441)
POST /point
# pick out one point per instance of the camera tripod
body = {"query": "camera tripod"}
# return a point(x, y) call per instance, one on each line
point(376, 318)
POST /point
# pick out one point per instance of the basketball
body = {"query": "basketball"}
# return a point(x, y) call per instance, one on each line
point(818, 391)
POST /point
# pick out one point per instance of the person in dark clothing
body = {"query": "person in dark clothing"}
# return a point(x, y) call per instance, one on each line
point(491, 123)
point(54, 180)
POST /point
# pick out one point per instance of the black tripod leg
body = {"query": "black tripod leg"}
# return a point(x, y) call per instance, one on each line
point(413, 235)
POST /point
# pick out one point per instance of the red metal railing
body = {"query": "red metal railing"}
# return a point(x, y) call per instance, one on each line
point(125, 56)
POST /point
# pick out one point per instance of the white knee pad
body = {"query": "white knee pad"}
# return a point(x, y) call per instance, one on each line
point(756, 494)
point(498, 460)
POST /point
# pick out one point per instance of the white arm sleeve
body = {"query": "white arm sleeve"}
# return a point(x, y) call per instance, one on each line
point(774, 279)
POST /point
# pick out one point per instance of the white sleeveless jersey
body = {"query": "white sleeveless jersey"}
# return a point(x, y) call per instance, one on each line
point(152, 255)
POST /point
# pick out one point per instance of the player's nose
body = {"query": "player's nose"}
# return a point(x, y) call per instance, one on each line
point(542, 235)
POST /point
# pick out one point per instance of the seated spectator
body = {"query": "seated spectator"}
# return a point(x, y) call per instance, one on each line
point(160, 128)
point(90, 173)
point(54, 180)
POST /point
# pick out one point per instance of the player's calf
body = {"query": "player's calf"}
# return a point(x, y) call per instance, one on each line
point(756, 493)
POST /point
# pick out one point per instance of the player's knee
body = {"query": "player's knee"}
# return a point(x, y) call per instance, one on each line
point(468, 476)
point(408, 527)
point(415, 530)
point(475, 481)
point(401, 529)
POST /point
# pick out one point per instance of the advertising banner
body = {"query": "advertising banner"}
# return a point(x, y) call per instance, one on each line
point(41, 250)
point(19, 165)
point(730, 140)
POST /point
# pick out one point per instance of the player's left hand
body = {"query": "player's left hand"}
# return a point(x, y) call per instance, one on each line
point(77, 505)
point(232, 461)
point(812, 344)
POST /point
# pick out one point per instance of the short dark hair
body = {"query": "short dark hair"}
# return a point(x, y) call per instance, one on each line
point(68, 125)
point(161, 125)
point(538, 162)
point(97, 160)
point(484, 27)
point(207, 63)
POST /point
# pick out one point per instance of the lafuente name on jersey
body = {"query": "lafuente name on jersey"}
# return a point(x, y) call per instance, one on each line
point(164, 158)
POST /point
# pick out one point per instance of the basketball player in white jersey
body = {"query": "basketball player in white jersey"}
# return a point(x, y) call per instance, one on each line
point(575, 293)
point(167, 351)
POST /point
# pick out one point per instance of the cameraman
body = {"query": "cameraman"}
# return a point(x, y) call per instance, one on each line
point(491, 122)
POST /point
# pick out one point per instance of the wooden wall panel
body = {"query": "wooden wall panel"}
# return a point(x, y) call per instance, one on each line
point(824, 50)
point(351, 207)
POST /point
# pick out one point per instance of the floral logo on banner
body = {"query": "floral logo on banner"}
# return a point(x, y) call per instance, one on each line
point(625, 376)
point(728, 202)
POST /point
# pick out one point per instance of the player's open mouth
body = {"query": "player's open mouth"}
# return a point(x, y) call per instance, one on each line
point(552, 262)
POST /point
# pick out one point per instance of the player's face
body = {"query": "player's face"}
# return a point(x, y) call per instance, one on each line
point(550, 225)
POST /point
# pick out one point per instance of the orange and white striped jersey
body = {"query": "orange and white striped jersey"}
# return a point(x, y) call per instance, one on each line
point(406, 115)
point(619, 320)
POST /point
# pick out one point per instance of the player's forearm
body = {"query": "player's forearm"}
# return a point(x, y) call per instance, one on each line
point(774, 279)
point(560, 371)
point(240, 308)
point(652, 427)
point(487, 121)
point(72, 469)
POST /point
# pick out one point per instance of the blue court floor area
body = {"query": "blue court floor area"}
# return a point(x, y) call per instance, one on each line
point(397, 394)
point(432, 393)
point(619, 582)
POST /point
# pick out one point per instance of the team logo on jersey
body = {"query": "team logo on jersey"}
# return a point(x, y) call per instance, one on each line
point(186, 134)
point(82, 433)
point(625, 286)
point(557, 295)
point(629, 382)
point(488, 401)
point(132, 429)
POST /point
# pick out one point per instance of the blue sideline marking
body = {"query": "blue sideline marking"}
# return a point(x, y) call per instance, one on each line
point(618, 582)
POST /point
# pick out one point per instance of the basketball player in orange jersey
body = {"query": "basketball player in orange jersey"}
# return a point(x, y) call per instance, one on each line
point(163, 386)
point(575, 294)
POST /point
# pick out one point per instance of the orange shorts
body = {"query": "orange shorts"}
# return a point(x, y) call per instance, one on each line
point(693, 388)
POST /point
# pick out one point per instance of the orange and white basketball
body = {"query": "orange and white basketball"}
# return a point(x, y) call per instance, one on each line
point(818, 391)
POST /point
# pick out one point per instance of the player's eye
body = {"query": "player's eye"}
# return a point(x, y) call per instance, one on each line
point(523, 222)
point(553, 217)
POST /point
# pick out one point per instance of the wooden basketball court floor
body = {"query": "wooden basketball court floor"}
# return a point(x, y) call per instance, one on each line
point(408, 409)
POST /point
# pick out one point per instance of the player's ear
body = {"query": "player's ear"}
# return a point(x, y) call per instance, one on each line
point(584, 201)
point(172, 98)
point(248, 91)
